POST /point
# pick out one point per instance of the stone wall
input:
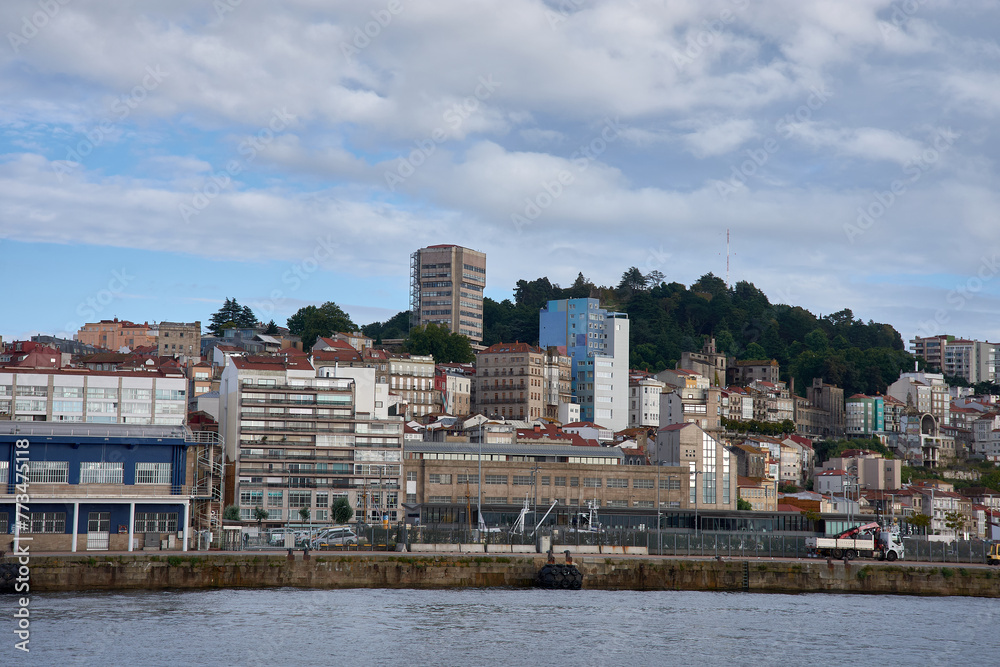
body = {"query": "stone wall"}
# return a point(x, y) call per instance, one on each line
point(146, 571)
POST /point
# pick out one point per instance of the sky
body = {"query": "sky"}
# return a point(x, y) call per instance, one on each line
point(157, 157)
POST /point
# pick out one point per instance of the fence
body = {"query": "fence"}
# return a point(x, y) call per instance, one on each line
point(667, 543)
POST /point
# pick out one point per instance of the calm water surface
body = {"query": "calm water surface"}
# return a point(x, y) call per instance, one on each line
point(503, 627)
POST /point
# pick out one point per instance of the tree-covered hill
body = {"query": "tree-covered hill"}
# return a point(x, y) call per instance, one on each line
point(670, 318)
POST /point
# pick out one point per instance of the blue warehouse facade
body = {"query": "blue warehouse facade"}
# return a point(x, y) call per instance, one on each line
point(94, 487)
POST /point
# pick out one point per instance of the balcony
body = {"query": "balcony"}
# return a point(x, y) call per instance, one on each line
point(47, 492)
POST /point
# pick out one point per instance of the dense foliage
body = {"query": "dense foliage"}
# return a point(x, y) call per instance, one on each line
point(754, 427)
point(396, 326)
point(231, 316)
point(311, 322)
point(669, 318)
point(441, 343)
point(827, 449)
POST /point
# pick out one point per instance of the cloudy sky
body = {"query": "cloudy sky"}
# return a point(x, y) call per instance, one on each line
point(158, 157)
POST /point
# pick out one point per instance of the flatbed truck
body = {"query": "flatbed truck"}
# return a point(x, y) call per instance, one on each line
point(868, 540)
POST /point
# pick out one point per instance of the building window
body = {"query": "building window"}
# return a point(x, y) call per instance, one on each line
point(275, 498)
point(522, 480)
point(48, 472)
point(156, 522)
point(322, 499)
point(574, 481)
point(560, 481)
point(614, 483)
point(299, 498)
point(642, 484)
point(101, 473)
point(152, 473)
point(670, 484)
point(439, 499)
point(98, 522)
point(592, 482)
point(495, 500)
point(47, 522)
point(251, 498)
point(496, 479)
point(411, 498)
point(439, 479)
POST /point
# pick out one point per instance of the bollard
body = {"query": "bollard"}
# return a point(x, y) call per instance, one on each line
point(569, 558)
point(305, 553)
point(291, 556)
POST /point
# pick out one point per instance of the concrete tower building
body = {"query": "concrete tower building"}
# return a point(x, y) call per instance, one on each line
point(446, 287)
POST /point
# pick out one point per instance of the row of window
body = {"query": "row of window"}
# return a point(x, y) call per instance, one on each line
point(95, 472)
point(55, 522)
point(525, 480)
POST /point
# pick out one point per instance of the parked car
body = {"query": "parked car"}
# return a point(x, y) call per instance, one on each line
point(338, 536)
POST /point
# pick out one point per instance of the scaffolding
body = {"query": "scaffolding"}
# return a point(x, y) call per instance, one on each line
point(415, 289)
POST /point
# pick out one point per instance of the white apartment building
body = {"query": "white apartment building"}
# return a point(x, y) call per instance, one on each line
point(644, 402)
point(300, 441)
point(94, 397)
point(927, 392)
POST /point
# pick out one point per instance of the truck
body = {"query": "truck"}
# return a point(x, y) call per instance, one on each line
point(994, 556)
point(866, 540)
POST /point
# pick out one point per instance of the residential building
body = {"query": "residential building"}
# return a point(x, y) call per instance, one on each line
point(702, 456)
point(692, 405)
point(761, 493)
point(772, 401)
point(179, 339)
point(925, 392)
point(453, 383)
point(410, 376)
point(116, 334)
point(71, 347)
point(931, 348)
point(644, 401)
point(300, 441)
point(107, 487)
point(970, 359)
point(94, 397)
point(521, 381)
point(865, 416)
point(597, 342)
point(591, 432)
point(28, 354)
point(446, 288)
point(736, 403)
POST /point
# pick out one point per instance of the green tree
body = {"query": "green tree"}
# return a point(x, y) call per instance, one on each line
point(394, 327)
point(231, 513)
point(342, 510)
point(304, 513)
point(231, 316)
point(743, 505)
point(310, 323)
point(955, 521)
point(922, 521)
point(441, 343)
point(271, 329)
point(754, 351)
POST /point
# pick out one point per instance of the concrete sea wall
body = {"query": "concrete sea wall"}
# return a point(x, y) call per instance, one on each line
point(325, 570)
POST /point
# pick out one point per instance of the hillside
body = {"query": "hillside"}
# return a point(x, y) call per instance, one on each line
point(670, 318)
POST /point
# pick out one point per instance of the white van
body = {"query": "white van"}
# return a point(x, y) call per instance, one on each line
point(335, 537)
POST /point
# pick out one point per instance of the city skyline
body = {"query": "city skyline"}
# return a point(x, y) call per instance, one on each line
point(158, 160)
